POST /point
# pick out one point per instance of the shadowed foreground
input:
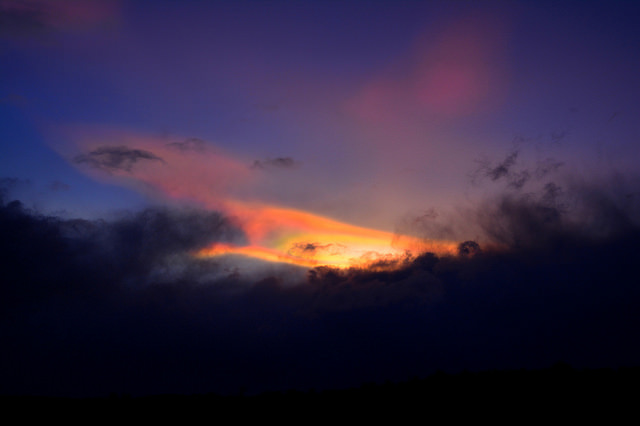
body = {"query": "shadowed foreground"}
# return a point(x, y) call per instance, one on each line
point(559, 391)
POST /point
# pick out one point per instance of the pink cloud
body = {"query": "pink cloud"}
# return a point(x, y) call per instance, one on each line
point(456, 72)
point(182, 169)
point(196, 171)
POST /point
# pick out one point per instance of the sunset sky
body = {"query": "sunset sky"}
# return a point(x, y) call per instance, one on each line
point(281, 186)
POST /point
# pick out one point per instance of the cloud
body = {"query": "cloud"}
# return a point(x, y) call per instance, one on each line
point(112, 158)
point(469, 248)
point(190, 144)
point(44, 254)
point(546, 166)
point(121, 304)
point(275, 163)
point(312, 249)
point(187, 169)
point(92, 307)
point(209, 177)
point(508, 171)
point(203, 174)
point(428, 224)
point(502, 171)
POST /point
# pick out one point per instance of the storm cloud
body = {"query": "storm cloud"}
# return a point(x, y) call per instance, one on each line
point(125, 295)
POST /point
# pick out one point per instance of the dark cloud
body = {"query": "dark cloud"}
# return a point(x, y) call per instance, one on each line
point(508, 171)
point(546, 167)
point(312, 248)
point(92, 307)
point(42, 253)
point(378, 285)
point(429, 224)
point(274, 163)
point(503, 169)
point(190, 144)
point(111, 158)
point(469, 248)
point(488, 170)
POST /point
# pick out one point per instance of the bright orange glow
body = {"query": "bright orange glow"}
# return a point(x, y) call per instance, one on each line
point(261, 253)
point(264, 223)
point(301, 238)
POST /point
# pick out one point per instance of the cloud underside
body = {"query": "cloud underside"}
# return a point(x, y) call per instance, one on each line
point(127, 296)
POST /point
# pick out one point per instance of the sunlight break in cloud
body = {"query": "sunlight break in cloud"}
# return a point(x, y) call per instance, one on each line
point(199, 173)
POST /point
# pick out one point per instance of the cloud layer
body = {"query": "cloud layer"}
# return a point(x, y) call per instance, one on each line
point(94, 307)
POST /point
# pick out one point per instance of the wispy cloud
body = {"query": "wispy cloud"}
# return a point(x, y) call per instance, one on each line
point(508, 170)
point(274, 163)
point(195, 171)
point(112, 158)
point(189, 144)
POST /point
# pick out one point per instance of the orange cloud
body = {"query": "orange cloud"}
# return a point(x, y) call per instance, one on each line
point(307, 239)
point(196, 171)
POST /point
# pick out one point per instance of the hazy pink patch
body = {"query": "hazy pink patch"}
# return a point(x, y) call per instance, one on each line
point(202, 173)
point(457, 72)
point(464, 72)
point(83, 13)
point(375, 102)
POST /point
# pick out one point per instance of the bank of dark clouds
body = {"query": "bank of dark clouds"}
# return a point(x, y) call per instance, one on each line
point(44, 256)
point(92, 307)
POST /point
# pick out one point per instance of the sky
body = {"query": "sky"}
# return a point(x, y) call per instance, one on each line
point(206, 196)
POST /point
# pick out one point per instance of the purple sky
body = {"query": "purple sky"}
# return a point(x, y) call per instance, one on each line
point(385, 108)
